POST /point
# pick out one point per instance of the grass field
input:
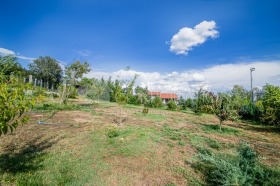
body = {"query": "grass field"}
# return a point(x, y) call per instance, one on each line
point(83, 144)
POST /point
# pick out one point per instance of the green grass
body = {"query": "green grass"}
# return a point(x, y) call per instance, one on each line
point(47, 107)
point(155, 117)
point(216, 129)
point(72, 167)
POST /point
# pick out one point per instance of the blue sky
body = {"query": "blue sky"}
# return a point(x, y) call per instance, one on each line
point(113, 34)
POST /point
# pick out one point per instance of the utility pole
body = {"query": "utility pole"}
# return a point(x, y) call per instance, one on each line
point(252, 93)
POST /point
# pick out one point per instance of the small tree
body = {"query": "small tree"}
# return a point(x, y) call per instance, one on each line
point(222, 109)
point(73, 72)
point(13, 103)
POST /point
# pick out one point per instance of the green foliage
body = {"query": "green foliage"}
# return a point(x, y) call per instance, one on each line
point(113, 132)
point(14, 103)
point(76, 70)
point(271, 105)
point(203, 101)
point(10, 66)
point(156, 102)
point(245, 169)
point(171, 105)
point(251, 111)
point(209, 109)
point(47, 69)
point(223, 110)
point(238, 96)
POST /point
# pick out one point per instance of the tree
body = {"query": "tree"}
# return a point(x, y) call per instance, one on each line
point(119, 94)
point(222, 108)
point(238, 96)
point(14, 103)
point(271, 105)
point(76, 70)
point(142, 95)
point(48, 70)
point(10, 66)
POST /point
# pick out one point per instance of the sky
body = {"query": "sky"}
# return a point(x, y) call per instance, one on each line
point(175, 46)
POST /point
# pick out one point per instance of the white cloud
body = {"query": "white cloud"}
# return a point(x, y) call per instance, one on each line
point(216, 78)
point(4, 51)
point(187, 38)
point(27, 58)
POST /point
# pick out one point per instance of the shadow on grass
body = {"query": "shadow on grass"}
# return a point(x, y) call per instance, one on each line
point(263, 128)
point(26, 159)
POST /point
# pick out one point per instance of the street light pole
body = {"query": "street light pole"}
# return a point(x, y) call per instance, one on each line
point(252, 94)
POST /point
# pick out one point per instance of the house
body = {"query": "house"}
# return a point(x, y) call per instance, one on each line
point(165, 97)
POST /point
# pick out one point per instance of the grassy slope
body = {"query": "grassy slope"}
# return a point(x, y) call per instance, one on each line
point(83, 144)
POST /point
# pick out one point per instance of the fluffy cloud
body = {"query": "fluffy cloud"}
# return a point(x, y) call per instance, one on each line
point(4, 51)
point(187, 38)
point(216, 78)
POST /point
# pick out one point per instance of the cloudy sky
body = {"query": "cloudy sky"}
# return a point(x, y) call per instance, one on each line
point(174, 45)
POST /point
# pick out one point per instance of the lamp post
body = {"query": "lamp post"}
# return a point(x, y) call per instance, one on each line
point(252, 95)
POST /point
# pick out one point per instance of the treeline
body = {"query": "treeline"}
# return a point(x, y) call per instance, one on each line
point(17, 96)
point(235, 104)
point(263, 108)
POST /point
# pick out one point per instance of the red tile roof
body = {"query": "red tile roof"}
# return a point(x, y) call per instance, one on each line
point(154, 93)
point(168, 96)
point(163, 95)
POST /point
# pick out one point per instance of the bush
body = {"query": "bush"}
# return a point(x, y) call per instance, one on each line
point(171, 105)
point(207, 109)
point(113, 132)
point(251, 111)
point(245, 169)
point(156, 102)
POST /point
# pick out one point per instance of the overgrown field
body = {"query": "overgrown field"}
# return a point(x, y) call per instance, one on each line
point(86, 143)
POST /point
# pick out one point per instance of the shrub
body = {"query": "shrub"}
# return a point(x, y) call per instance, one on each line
point(156, 102)
point(171, 105)
point(245, 169)
point(207, 109)
point(113, 132)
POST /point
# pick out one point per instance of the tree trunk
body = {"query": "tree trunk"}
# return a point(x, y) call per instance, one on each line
point(221, 125)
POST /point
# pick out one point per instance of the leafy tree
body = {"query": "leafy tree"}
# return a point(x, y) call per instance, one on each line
point(238, 96)
point(76, 70)
point(189, 102)
point(96, 89)
point(271, 105)
point(14, 103)
point(222, 108)
point(10, 66)
point(142, 95)
point(48, 70)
